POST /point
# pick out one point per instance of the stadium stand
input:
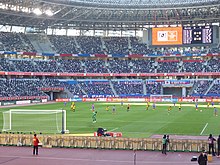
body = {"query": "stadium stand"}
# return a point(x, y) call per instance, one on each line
point(71, 65)
point(92, 50)
point(90, 44)
point(212, 65)
point(20, 87)
point(214, 91)
point(128, 87)
point(15, 42)
point(96, 87)
point(193, 66)
point(5, 65)
point(64, 44)
point(95, 66)
point(153, 88)
point(143, 66)
point(74, 88)
point(201, 86)
point(25, 65)
point(88, 65)
point(47, 66)
point(119, 66)
point(168, 66)
point(139, 48)
point(116, 45)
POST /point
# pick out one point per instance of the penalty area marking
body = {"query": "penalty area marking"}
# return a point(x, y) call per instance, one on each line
point(204, 128)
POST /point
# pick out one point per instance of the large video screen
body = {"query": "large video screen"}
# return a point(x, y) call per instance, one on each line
point(167, 36)
point(198, 35)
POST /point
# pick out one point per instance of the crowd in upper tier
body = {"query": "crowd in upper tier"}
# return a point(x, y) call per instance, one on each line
point(109, 66)
point(90, 45)
point(15, 42)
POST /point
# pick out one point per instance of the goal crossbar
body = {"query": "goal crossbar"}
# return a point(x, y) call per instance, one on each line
point(34, 111)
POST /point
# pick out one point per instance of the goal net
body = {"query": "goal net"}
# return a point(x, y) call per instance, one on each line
point(45, 121)
point(161, 98)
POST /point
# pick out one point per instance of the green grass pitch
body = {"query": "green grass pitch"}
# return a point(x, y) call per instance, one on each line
point(138, 122)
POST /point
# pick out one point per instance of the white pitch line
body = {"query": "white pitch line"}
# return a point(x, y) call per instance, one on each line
point(128, 161)
point(204, 128)
point(113, 129)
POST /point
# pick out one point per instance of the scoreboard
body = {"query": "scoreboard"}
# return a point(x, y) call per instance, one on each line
point(198, 35)
point(190, 35)
point(167, 36)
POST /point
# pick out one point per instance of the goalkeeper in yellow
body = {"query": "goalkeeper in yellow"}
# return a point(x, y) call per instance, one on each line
point(73, 107)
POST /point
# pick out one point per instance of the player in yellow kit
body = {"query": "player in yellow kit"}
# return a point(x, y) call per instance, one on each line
point(180, 107)
point(169, 109)
point(107, 108)
point(73, 107)
point(148, 105)
point(208, 104)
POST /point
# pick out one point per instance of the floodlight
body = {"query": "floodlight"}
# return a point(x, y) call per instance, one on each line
point(37, 11)
point(49, 12)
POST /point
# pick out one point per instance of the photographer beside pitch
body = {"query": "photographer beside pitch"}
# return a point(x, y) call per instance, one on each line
point(211, 141)
point(202, 159)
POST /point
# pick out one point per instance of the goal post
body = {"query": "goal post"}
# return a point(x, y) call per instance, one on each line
point(161, 98)
point(45, 121)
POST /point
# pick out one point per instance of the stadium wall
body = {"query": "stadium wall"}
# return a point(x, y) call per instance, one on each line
point(22, 102)
point(173, 91)
point(69, 141)
point(146, 99)
point(110, 55)
point(53, 74)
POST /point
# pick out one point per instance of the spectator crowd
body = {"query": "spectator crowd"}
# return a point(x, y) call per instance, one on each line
point(99, 45)
point(92, 45)
point(108, 65)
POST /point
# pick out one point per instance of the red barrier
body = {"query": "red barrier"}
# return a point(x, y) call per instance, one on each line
point(112, 134)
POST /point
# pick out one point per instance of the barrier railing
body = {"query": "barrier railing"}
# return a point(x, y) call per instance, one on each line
point(103, 142)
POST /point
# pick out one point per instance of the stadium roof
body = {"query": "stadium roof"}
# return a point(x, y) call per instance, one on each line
point(107, 14)
point(139, 3)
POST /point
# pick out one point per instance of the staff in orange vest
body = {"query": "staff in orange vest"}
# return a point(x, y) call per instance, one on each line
point(35, 144)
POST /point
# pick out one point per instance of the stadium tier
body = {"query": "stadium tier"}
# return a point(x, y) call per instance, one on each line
point(26, 73)
point(36, 88)
point(110, 65)
point(115, 46)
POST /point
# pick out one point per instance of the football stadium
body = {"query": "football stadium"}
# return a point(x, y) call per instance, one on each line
point(109, 80)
